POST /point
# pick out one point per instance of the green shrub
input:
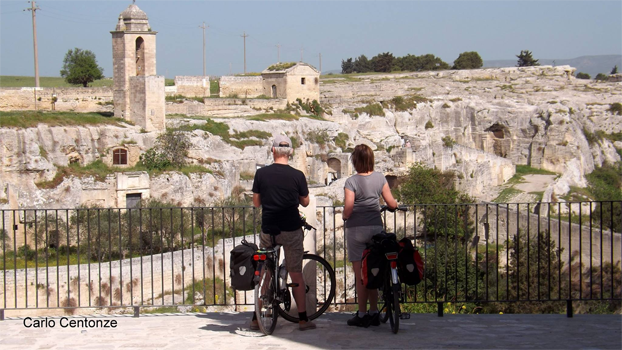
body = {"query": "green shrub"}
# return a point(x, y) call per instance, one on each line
point(319, 137)
point(341, 140)
point(448, 141)
point(371, 109)
point(429, 125)
point(615, 108)
point(582, 75)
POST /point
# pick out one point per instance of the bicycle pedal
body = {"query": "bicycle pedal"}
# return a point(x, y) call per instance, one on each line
point(292, 285)
point(405, 316)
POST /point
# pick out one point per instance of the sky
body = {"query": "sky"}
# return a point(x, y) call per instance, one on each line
point(336, 30)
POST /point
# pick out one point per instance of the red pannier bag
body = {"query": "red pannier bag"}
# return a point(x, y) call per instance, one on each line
point(409, 263)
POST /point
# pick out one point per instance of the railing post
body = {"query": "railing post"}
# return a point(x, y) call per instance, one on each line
point(1, 314)
point(569, 312)
point(136, 311)
point(440, 309)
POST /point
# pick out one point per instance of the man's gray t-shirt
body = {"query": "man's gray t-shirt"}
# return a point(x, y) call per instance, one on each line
point(367, 191)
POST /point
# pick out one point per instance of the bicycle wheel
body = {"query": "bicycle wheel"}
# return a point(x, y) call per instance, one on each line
point(386, 296)
point(264, 299)
point(394, 314)
point(385, 310)
point(320, 283)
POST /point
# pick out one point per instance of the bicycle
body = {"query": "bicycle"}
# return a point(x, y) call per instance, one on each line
point(272, 290)
point(391, 292)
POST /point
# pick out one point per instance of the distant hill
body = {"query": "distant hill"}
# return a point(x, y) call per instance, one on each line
point(586, 64)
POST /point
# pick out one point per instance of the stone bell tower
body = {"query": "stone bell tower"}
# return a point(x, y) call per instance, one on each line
point(138, 92)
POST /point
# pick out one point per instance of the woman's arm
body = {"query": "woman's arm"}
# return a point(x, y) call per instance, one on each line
point(388, 197)
point(349, 203)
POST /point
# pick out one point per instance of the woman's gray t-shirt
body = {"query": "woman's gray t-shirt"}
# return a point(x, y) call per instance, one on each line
point(367, 191)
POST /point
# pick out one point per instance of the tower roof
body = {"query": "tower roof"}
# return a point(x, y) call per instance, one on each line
point(133, 12)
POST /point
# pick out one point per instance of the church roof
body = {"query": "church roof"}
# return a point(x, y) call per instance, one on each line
point(286, 67)
point(133, 12)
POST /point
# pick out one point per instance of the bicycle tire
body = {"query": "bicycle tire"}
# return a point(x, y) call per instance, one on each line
point(394, 316)
point(386, 297)
point(265, 300)
point(327, 274)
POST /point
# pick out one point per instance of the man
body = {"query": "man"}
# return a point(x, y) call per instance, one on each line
point(279, 189)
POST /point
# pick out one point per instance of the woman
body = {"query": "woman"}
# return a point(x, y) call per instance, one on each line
point(362, 221)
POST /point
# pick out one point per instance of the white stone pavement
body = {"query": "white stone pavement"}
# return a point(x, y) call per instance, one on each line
point(230, 331)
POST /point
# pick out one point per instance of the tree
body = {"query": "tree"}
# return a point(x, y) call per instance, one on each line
point(171, 149)
point(582, 75)
point(614, 70)
point(468, 60)
point(80, 67)
point(601, 77)
point(362, 64)
point(430, 62)
point(347, 66)
point(525, 59)
point(382, 62)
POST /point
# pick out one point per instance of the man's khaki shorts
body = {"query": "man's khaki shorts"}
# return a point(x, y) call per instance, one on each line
point(292, 242)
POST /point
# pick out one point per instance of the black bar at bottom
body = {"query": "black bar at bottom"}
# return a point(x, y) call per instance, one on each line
point(440, 309)
point(136, 311)
point(569, 311)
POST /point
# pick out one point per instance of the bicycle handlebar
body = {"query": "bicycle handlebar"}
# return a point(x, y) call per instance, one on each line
point(399, 207)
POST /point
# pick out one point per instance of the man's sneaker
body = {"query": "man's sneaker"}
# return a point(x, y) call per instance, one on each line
point(360, 321)
point(254, 325)
point(375, 319)
point(305, 326)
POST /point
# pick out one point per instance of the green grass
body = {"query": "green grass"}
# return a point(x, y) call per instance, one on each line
point(274, 116)
point(22, 81)
point(239, 139)
point(527, 170)
point(371, 109)
point(30, 119)
point(21, 262)
point(214, 87)
point(99, 171)
point(209, 297)
point(506, 195)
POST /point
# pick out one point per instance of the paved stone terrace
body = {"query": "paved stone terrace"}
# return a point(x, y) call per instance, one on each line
point(230, 331)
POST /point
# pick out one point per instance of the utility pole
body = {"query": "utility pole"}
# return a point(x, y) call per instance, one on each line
point(34, 9)
point(278, 46)
point(244, 36)
point(203, 27)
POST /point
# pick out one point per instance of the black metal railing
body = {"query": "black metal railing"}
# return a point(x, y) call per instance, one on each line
point(520, 254)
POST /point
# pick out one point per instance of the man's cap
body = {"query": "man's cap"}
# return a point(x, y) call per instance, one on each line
point(281, 141)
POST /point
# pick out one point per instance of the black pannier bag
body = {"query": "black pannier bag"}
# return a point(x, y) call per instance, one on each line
point(374, 262)
point(242, 266)
point(409, 263)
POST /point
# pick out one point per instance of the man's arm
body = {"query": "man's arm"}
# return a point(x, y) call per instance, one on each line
point(304, 201)
point(257, 200)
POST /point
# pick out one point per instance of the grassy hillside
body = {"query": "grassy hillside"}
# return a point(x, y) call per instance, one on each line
point(17, 81)
point(30, 119)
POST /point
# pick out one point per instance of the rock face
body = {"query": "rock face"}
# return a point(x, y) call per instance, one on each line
point(477, 123)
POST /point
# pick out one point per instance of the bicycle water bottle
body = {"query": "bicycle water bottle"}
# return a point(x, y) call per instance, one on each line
point(283, 276)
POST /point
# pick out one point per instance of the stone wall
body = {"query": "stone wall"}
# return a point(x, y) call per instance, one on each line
point(242, 87)
point(225, 107)
point(193, 86)
point(78, 99)
point(147, 104)
point(138, 281)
